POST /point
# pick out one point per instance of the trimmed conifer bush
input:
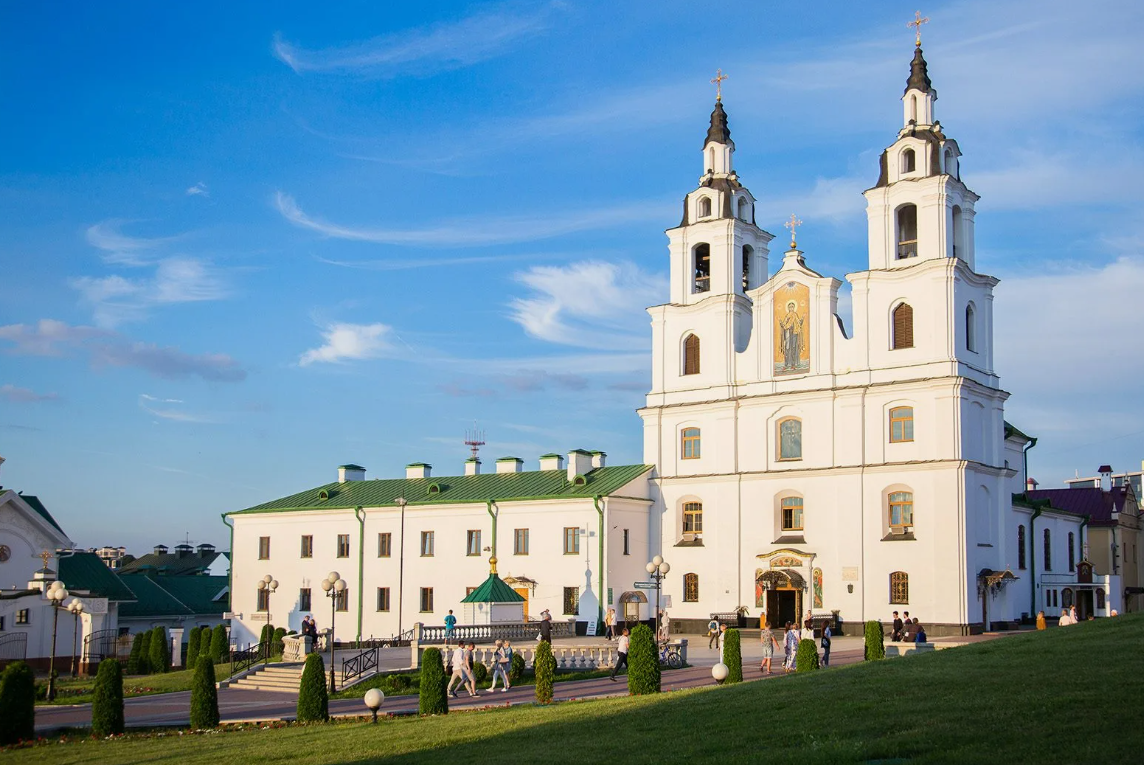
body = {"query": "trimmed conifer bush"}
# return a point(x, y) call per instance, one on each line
point(544, 667)
point(193, 647)
point(643, 662)
point(204, 695)
point(516, 668)
point(875, 647)
point(220, 645)
point(160, 651)
point(135, 660)
point(267, 634)
point(17, 704)
point(313, 698)
point(433, 699)
point(733, 656)
point(278, 647)
point(480, 672)
point(806, 657)
point(107, 699)
point(145, 653)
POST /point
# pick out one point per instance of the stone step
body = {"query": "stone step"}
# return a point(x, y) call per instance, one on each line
point(249, 682)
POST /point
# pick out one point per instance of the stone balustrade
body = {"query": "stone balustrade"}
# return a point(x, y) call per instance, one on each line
point(568, 657)
point(487, 633)
point(296, 647)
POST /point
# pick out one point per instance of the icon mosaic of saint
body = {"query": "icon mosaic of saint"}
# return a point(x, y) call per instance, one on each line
point(792, 329)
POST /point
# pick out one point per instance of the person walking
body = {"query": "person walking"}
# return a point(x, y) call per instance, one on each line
point(610, 624)
point(790, 646)
point(546, 626)
point(722, 642)
point(457, 661)
point(896, 628)
point(470, 676)
point(500, 668)
point(450, 625)
point(767, 638)
point(712, 633)
point(621, 653)
point(827, 633)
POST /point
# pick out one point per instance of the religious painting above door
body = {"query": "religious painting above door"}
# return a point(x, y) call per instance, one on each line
point(792, 329)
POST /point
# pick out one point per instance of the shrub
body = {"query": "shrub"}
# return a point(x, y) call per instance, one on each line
point(220, 644)
point(17, 704)
point(544, 667)
point(480, 672)
point(267, 635)
point(107, 699)
point(145, 653)
point(516, 668)
point(643, 662)
point(313, 698)
point(433, 698)
point(874, 649)
point(193, 642)
point(204, 696)
point(160, 650)
point(733, 656)
point(806, 657)
point(278, 647)
point(135, 661)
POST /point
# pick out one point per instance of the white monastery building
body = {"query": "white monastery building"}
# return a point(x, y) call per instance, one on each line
point(791, 465)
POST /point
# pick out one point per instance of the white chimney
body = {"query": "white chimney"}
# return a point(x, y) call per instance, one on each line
point(579, 463)
point(599, 459)
point(551, 462)
point(472, 466)
point(1030, 484)
point(418, 470)
point(1105, 477)
point(350, 472)
point(510, 465)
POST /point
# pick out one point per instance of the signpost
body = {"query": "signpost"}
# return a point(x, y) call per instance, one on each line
point(645, 585)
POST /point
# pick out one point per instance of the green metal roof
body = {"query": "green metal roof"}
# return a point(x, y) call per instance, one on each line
point(35, 503)
point(150, 599)
point(350, 466)
point(171, 564)
point(85, 571)
point(1012, 430)
point(174, 596)
point(494, 591)
point(504, 487)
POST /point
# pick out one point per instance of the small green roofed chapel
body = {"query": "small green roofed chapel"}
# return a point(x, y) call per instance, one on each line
point(494, 602)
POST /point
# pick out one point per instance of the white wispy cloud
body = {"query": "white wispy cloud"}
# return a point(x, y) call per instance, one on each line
point(105, 348)
point(349, 342)
point(156, 399)
point(122, 249)
point(151, 405)
point(199, 189)
point(482, 231)
point(116, 299)
point(423, 51)
point(18, 395)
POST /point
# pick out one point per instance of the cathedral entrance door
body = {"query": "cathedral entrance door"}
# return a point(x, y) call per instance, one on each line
point(783, 606)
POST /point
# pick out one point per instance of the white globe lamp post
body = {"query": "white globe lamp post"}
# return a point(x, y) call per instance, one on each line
point(373, 699)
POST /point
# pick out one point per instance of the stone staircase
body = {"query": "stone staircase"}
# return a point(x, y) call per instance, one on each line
point(283, 678)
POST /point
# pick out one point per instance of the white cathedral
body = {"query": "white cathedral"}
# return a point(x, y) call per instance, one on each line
point(790, 465)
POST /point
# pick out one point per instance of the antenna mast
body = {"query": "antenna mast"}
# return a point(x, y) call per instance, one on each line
point(474, 439)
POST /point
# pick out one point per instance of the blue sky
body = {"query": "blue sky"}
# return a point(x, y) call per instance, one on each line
point(241, 245)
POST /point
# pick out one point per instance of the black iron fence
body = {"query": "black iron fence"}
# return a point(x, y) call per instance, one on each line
point(14, 647)
point(248, 657)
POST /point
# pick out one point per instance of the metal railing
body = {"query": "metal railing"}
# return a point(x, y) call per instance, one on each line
point(359, 664)
point(491, 632)
point(248, 657)
point(104, 644)
point(14, 647)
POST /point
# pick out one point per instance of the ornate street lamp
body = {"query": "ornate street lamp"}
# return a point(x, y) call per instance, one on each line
point(267, 584)
point(334, 586)
point(57, 595)
point(658, 569)
point(76, 609)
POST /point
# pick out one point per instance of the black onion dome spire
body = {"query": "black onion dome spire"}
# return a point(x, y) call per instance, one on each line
point(919, 77)
point(718, 132)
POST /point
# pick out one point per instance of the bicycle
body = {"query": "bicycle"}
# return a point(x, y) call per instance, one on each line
point(670, 656)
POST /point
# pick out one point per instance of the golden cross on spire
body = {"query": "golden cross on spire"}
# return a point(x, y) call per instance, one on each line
point(45, 556)
point(917, 25)
point(792, 224)
point(718, 83)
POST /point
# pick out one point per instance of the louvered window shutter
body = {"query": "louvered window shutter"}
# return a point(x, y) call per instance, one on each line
point(903, 327)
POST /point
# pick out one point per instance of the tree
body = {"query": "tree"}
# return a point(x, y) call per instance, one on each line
point(733, 656)
point(433, 698)
point(875, 648)
point(516, 668)
point(278, 647)
point(17, 704)
point(220, 645)
point(145, 653)
point(160, 651)
point(267, 635)
point(107, 699)
point(204, 695)
point(544, 667)
point(313, 698)
point(193, 641)
point(135, 660)
point(643, 662)
point(806, 657)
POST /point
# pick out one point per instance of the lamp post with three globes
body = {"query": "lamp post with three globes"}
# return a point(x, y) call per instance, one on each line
point(658, 569)
point(334, 586)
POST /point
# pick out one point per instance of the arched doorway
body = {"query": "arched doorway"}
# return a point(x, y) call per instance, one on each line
point(781, 590)
point(630, 601)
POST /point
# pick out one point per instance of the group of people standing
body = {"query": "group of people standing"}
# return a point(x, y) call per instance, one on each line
point(906, 630)
point(792, 636)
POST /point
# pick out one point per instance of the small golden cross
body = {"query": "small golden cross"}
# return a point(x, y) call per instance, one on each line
point(45, 556)
point(718, 83)
point(917, 25)
point(793, 224)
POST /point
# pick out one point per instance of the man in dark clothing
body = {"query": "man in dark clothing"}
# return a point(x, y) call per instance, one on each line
point(621, 653)
point(896, 632)
point(546, 627)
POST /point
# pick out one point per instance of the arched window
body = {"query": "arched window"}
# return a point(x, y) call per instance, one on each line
point(907, 220)
point(748, 253)
point(1100, 599)
point(901, 511)
point(701, 268)
point(1048, 551)
point(901, 424)
point(1021, 548)
point(691, 355)
point(710, 169)
point(690, 443)
point(1066, 597)
point(790, 439)
point(692, 517)
point(970, 328)
point(950, 163)
point(903, 329)
point(914, 109)
point(956, 223)
point(1072, 552)
point(705, 207)
point(909, 161)
point(691, 588)
point(900, 588)
point(791, 508)
point(743, 211)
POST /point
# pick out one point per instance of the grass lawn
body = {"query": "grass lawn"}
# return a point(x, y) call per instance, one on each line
point(78, 691)
point(1064, 695)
